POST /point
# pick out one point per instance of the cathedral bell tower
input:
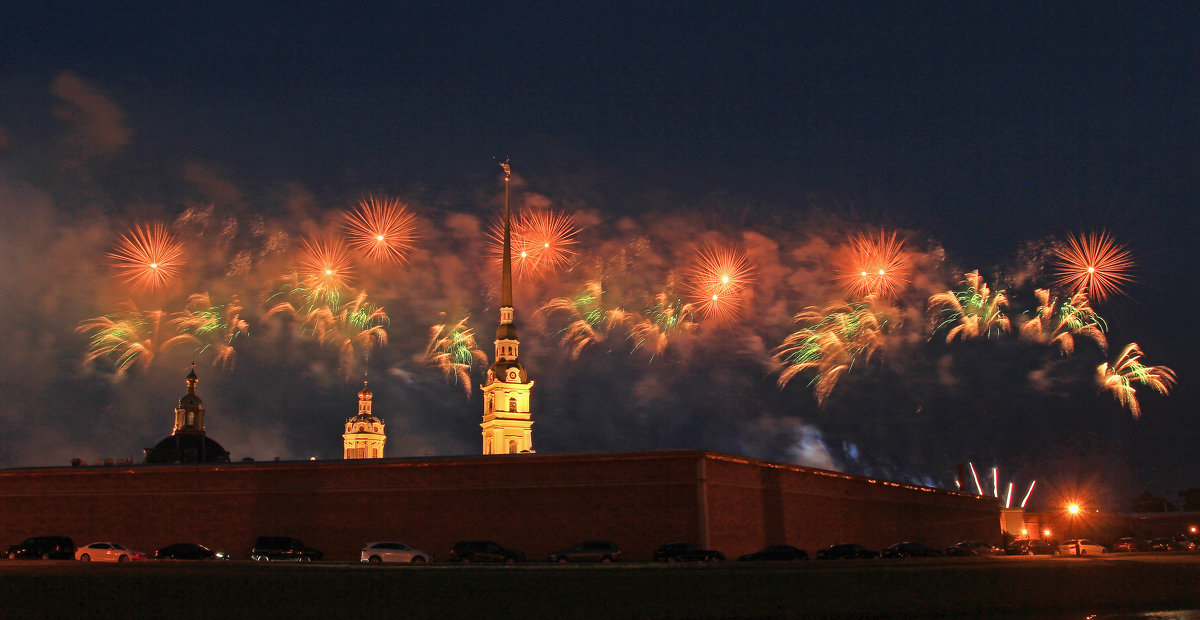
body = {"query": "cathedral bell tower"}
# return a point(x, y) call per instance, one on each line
point(507, 427)
point(364, 437)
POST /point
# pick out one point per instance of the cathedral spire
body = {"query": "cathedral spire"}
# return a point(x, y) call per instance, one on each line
point(506, 418)
point(506, 261)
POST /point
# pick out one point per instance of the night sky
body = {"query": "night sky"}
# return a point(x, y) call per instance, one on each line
point(982, 135)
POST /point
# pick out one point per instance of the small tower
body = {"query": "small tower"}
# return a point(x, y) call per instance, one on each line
point(507, 425)
point(364, 437)
point(187, 442)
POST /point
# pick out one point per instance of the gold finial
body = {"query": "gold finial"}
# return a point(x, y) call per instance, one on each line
point(507, 169)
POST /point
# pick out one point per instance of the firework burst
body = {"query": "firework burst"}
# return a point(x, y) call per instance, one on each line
point(832, 340)
point(542, 241)
point(382, 229)
point(669, 316)
point(973, 312)
point(147, 258)
point(1094, 264)
point(1127, 370)
point(454, 352)
point(876, 267)
point(717, 282)
point(1060, 324)
point(213, 326)
point(588, 321)
point(324, 268)
point(131, 338)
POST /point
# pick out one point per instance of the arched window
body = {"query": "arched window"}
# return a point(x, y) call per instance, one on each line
point(191, 418)
point(512, 403)
point(362, 452)
point(512, 446)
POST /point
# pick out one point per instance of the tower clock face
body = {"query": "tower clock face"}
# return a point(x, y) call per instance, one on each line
point(512, 374)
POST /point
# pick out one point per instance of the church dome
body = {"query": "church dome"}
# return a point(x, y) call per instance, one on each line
point(187, 448)
point(508, 371)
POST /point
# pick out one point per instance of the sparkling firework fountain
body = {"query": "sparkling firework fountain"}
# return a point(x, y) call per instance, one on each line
point(973, 312)
point(454, 352)
point(1128, 369)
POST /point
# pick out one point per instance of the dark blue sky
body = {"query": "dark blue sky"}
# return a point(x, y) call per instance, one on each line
point(982, 127)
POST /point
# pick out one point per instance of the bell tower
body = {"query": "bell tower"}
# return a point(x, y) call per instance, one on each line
point(364, 436)
point(507, 424)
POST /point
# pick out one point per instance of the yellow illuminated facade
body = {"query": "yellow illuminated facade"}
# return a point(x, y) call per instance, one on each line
point(507, 423)
point(364, 437)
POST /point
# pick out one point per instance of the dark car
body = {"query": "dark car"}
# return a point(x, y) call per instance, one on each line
point(44, 548)
point(1030, 546)
point(588, 551)
point(1164, 544)
point(847, 551)
point(484, 551)
point(973, 548)
point(283, 549)
point(910, 550)
point(775, 553)
point(686, 552)
point(1129, 544)
point(187, 551)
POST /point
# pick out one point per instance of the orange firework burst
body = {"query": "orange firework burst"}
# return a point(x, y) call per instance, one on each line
point(542, 241)
point(717, 281)
point(324, 266)
point(877, 266)
point(147, 258)
point(382, 229)
point(1094, 264)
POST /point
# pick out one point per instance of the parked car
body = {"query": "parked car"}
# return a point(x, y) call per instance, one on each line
point(1129, 544)
point(188, 551)
point(1164, 544)
point(1029, 546)
point(775, 553)
point(910, 550)
point(846, 551)
point(588, 551)
point(686, 552)
point(484, 551)
point(107, 552)
point(1081, 546)
point(973, 548)
point(43, 548)
point(376, 552)
point(283, 549)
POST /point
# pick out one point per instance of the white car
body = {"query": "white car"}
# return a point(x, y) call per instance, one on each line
point(386, 551)
point(107, 552)
point(1080, 546)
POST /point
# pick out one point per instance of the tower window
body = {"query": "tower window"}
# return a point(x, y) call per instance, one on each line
point(512, 404)
point(512, 446)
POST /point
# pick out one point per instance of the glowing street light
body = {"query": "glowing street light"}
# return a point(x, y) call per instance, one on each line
point(1073, 509)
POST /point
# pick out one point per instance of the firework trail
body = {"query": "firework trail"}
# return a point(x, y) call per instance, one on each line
point(454, 352)
point(833, 340)
point(974, 311)
point(1128, 369)
point(1094, 264)
point(717, 281)
point(669, 316)
point(589, 322)
point(147, 258)
point(1060, 324)
point(877, 266)
point(131, 338)
point(542, 241)
point(324, 267)
point(382, 229)
point(212, 326)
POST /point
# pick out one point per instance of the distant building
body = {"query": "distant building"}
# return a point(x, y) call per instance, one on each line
point(187, 442)
point(507, 422)
point(364, 437)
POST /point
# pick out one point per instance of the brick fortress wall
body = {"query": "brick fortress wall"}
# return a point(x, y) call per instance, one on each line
point(537, 503)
